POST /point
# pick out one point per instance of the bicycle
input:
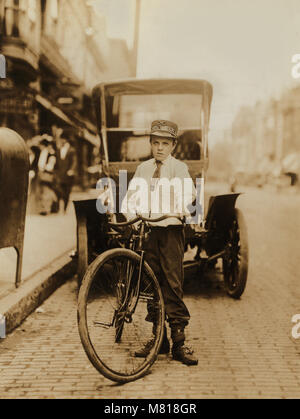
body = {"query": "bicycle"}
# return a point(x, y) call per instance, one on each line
point(113, 302)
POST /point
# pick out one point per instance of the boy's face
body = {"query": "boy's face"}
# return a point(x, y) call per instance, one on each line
point(162, 147)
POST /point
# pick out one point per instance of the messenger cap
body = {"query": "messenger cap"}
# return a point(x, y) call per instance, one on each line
point(163, 128)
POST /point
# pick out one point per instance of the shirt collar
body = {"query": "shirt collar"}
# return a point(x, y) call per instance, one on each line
point(168, 159)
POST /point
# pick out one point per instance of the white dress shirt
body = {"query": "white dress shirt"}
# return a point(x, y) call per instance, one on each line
point(154, 197)
point(43, 159)
point(64, 151)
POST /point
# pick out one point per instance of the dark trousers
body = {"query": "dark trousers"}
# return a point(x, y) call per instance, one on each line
point(164, 254)
point(294, 178)
point(65, 191)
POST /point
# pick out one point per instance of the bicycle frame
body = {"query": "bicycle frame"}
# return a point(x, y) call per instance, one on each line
point(139, 239)
point(132, 289)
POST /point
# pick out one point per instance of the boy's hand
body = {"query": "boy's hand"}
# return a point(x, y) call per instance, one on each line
point(135, 228)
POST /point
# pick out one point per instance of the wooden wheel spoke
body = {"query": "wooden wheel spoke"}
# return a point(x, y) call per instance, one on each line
point(235, 267)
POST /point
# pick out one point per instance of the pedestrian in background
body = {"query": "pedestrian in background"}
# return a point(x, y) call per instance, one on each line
point(291, 167)
point(34, 149)
point(46, 197)
point(66, 169)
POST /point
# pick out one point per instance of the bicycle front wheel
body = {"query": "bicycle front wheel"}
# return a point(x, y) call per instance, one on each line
point(113, 303)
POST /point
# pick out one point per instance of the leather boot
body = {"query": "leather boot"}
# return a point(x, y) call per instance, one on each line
point(180, 352)
point(144, 351)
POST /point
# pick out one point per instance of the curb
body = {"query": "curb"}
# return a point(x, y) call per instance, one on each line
point(21, 302)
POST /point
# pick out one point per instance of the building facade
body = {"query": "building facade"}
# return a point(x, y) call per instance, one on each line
point(290, 109)
point(267, 133)
point(56, 52)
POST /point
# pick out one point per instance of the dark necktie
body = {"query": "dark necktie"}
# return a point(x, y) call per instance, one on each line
point(157, 170)
point(156, 174)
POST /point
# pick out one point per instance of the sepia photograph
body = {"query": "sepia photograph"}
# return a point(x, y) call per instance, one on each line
point(149, 202)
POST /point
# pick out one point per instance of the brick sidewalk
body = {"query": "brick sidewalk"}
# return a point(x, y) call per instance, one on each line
point(46, 264)
point(46, 239)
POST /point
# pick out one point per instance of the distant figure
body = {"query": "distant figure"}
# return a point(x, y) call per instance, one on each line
point(232, 183)
point(291, 165)
point(46, 198)
point(65, 170)
point(34, 155)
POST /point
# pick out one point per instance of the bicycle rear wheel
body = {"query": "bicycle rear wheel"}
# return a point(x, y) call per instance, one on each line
point(112, 312)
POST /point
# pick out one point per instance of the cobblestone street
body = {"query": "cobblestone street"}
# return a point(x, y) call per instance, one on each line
point(245, 347)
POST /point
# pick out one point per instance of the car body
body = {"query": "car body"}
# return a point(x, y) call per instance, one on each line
point(125, 110)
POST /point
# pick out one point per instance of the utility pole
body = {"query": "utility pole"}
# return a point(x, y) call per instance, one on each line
point(136, 35)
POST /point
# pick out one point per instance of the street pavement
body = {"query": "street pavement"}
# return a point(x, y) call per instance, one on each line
point(245, 347)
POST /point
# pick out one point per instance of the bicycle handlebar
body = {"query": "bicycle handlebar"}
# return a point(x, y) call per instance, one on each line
point(141, 218)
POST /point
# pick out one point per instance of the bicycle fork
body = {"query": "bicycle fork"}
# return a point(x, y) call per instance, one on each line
point(123, 314)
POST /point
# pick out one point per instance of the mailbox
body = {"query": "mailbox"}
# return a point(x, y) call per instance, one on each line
point(14, 170)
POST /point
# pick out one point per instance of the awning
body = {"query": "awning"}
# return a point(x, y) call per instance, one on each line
point(83, 132)
point(58, 112)
point(91, 138)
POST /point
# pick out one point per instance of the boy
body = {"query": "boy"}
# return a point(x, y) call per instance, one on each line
point(165, 245)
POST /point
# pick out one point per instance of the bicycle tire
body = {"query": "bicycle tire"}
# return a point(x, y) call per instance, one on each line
point(104, 292)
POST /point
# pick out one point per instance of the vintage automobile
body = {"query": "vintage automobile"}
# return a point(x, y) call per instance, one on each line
point(124, 111)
